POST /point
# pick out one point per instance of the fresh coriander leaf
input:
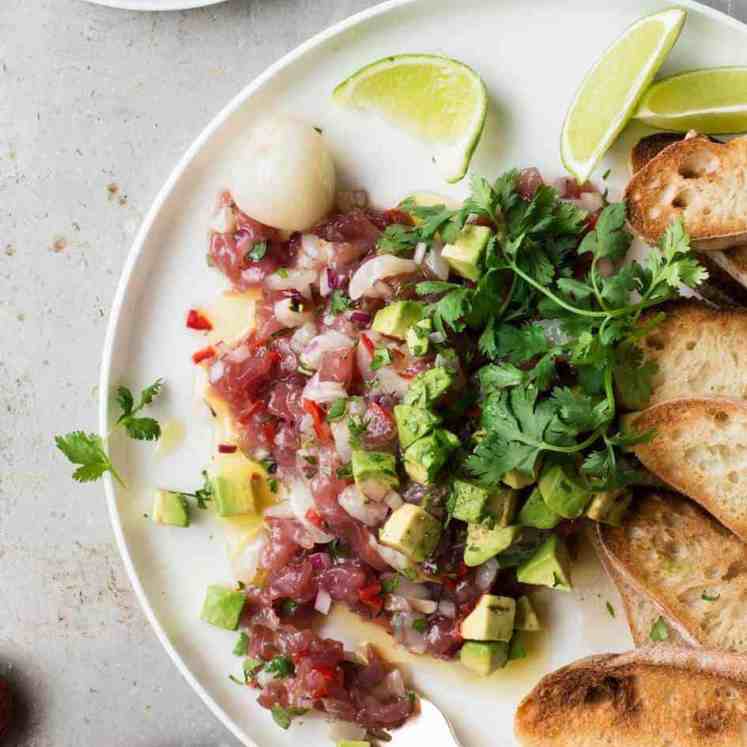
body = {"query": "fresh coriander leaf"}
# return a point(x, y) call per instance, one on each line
point(280, 667)
point(149, 394)
point(124, 400)
point(659, 631)
point(358, 427)
point(86, 450)
point(616, 289)
point(706, 597)
point(579, 411)
point(284, 716)
point(500, 377)
point(451, 309)
point(610, 238)
point(236, 680)
point(250, 666)
point(420, 625)
point(634, 375)
point(242, 645)
point(520, 344)
point(610, 609)
point(339, 302)
point(345, 472)
point(434, 217)
point(273, 485)
point(288, 607)
point(337, 410)
point(282, 272)
point(390, 585)
point(142, 429)
point(431, 287)
point(381, 357)
point(398, 240)
point(257, 252)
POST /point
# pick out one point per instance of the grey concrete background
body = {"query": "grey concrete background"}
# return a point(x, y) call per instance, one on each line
point(96, 105)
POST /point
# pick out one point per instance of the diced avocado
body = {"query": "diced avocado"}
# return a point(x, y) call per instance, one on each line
point(170, 508)
point(223, 607)
point(428, 387)
point(610, 506)
point(484, 543)
point(536, 513)
point(491, 620)
point(374, 472)
point(396, 319)
point(465, 254)
point(417, 337)
point(233, 479)
point(413, 422)
point(412, 531)
point(353, 743)
point(549, 566)
point(501, 506)
point(470, 500)
point(518, 480)
point(563, 492)
point(526, 617)
point(484, 657)
point(425, 458)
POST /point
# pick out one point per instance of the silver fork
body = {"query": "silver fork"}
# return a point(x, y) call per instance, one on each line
point(429, 727)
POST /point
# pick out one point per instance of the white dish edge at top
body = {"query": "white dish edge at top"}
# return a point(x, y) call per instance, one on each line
point(155, 5)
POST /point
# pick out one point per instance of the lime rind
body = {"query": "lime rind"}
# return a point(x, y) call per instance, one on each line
point(599, 79)
point(435, 99)
point(713, 101)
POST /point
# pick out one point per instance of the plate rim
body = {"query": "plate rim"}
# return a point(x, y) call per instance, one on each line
point(173, 5)
point(136, 252)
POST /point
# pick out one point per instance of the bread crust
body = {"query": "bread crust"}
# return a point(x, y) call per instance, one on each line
point(653, 696)
point(702, 181)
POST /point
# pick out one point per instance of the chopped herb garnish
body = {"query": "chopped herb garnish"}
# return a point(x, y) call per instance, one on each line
point(280, 666)
point(269, 466)
point(337, 410)
point(284, 716)
point(236, 680)
point(288, 607)
point(345, 472)
point(338, 302)
point(706, 597)
point(659, 631)
point(610, 609)
point(282, 272)
point(398, 240)
point(204, 494)
point(381, 357)
point(242, 645)
point(606, 174)
point(250, 666)
point(142, 429)
point(272, 484)
point(358, 427)
point(257, 252)
point(390, 585)
point(420, 624)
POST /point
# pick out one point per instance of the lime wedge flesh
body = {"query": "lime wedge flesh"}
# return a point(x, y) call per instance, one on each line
point(712, 101)
point(436, 99)
point(610, 92)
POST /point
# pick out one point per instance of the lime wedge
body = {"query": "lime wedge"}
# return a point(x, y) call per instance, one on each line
point(712, 101)
point(611, 90)
point(438, 100)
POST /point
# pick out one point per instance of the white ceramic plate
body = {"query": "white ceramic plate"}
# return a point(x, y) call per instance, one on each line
point(155, 4)
point(532, 56)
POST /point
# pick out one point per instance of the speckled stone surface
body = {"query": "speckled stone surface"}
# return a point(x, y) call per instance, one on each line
point(96, 106)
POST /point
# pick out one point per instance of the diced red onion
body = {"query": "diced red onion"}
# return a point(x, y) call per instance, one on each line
point(419, 255)
point(239, 354)
point(393, 685)
point(319, 561)
point(412, 590)
point(341, 435)
point(332, 278)
point(447, 608)
point(315, 252)
point(264, 677)
point(486, 574)
point(216, 371)
point(302, 337)
point(323, 392)
point(435, 262)
point(332, 340)
point(361, 507)
point(323, 602)
point(396, 603)
point(301, 500)
point(391, 383)
point(393, 558)
point(369, 273)
point(360, 317)
point(299, 280)
point(406, 634)
point(426, 606)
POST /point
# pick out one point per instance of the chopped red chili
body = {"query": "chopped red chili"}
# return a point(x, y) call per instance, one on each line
point(227, 448)
point(321, 428)
point(204, 354)
point(197, 320)
point(371, 596)
point(368, 344)
point(315, 518)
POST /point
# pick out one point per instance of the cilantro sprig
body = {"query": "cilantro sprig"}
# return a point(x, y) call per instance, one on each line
point(87, 450)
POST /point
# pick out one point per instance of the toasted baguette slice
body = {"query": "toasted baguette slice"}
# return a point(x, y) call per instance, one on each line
point(727, 270)
point(699, 351)
point(657, 696)
point(700, 180)
point(696, 570)
point(641, 611)
point(700, 449)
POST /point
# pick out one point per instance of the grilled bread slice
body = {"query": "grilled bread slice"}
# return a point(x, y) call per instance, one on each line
point(657, 696)
point(641, 611)
point(701, 181)
point(695, 570)
point(699, 351)
point(727, 270)
point(700, 449)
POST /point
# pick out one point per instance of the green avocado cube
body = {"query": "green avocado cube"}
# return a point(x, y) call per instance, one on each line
point(501, 507)
point(223, 607)
point(234, 484)
point(549, 566)
point(609, 507)
point(484, 657)
point(518, 480)
point(417, 338)
point(465, 254)
point(491, 620)
point(470, 500)
point(413, 422)
point(563, 492)
point(429, 386)
point(374, 472)
point(536, 513)
point(170, 508)
point(425, 458)
point(484, 543)
point(412, 531)
point(526, 617)
point(395, 319)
